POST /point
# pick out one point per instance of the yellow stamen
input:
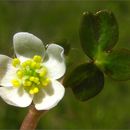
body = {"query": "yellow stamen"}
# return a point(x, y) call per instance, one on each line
point(37, 58)
point(31, 74)
point(20, 74)
point(28, 62)
point(36, 80)
point(43, 72)
point(15, 83)
point(33, 64)
point(46, 82)
point(32, 78)
point(24, 64)
point(15, 62)
point(38, 66)
point(27, 83)
point(31, 91)
point(36, 90)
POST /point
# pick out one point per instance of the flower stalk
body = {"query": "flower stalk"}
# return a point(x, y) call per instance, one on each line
point(32, 118)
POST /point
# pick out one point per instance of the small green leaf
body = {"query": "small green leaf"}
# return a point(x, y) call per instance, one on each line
point(117, 64)
point(86, 81)
point(98, 32)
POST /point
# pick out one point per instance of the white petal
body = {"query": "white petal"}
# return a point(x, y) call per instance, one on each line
point(55, 62)
point(15, 96)
point(50, 96)
point(27, 45)
point(7, 71)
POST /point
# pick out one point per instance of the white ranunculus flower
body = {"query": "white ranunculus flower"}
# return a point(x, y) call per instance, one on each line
point(32, 76)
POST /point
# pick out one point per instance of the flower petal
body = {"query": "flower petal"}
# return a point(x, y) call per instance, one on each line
point(55, 62)
point(7, 71)
point(15, 96)
point(27, 45)
point(50, 96)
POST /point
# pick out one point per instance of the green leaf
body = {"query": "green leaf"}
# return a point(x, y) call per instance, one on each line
point(98, 32)
point(117, 64)
point(86, 81)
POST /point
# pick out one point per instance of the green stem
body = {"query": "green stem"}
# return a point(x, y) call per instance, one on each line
point(31, 120)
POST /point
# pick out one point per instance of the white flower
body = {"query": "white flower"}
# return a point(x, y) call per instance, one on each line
point(32, 76)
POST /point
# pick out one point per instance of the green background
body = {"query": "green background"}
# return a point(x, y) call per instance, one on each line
point(54, 20)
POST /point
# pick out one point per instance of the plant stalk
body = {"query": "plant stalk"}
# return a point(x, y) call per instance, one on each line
point(32, 118)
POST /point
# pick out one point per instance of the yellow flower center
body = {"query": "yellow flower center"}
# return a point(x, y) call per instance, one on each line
point(31, 74)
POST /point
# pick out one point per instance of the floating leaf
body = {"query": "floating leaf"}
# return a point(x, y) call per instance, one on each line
point(86, 81)
point(117, 64)
point(98, 32)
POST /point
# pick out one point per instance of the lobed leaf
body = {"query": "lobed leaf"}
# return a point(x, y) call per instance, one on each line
point(117, 64)
point(86, 81)
point(98, 32)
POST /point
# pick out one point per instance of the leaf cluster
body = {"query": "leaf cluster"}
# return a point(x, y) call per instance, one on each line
point(98, 35)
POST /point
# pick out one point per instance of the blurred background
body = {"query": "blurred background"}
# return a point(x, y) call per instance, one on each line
point(60, 19)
